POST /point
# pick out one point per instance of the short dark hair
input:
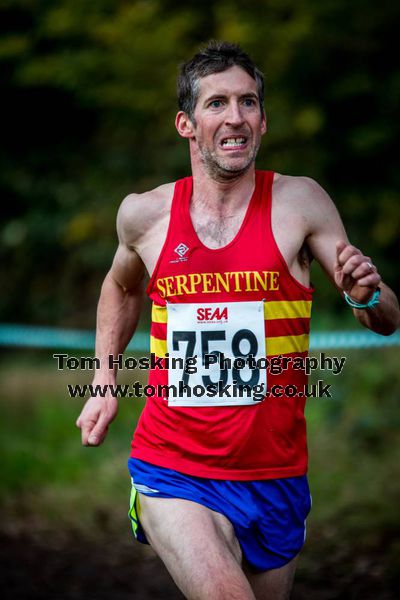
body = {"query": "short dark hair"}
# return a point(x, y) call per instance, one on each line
point(216, 57)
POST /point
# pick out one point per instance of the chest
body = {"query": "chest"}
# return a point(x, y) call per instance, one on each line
point(216, 231)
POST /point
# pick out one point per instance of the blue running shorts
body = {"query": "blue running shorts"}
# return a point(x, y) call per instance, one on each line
point(268, 516)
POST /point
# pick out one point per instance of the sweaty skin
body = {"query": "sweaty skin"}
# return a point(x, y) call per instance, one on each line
point(223, 138)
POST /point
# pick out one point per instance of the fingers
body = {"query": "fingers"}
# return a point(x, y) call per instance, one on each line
point(364, 268)
point(357, 263)
point(345, 251)
point(86, 431)
point(352, 263)
point(92, 427)
point(98, 432)
point(340, 246)
point(371, 280)
point(95, 419)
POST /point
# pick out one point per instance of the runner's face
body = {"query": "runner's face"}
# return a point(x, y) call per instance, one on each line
point(228, 122)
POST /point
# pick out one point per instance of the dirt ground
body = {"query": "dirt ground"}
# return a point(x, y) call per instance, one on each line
point(68, 567)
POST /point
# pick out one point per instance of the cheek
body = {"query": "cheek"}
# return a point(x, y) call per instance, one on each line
point(258, 126)
point(209, 123)
point(206, 131)
point(206, 134)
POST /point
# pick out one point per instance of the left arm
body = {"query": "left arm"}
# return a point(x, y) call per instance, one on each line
point(350, 270)
point(356, 275)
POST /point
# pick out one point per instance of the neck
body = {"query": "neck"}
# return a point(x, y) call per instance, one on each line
point(219, 194)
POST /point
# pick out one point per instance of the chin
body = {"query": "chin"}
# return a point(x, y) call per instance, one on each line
point(229, 172)
point(222, 167)
point(236, 167)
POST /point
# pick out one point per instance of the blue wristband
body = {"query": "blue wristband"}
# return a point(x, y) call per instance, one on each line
point(372, 302)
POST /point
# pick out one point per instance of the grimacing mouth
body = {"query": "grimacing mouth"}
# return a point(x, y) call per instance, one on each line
point(233, 141)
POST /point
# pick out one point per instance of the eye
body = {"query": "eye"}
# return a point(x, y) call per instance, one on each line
point(249, 102)
point(215, 104)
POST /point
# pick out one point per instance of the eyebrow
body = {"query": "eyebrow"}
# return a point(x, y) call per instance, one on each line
point(223, 96)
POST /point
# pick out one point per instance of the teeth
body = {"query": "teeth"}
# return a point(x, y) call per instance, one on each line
point(234, 141)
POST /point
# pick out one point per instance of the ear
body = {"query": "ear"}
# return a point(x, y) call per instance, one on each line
point(184, 125)
point(264, 127)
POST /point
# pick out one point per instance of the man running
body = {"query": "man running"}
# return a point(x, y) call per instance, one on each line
point(219, 486)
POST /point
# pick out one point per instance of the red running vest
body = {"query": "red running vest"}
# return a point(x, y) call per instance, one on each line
point(258, 441)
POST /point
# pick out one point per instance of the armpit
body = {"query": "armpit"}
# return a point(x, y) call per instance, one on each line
point(305, 256)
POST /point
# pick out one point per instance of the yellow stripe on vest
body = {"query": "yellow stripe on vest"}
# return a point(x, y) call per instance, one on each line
point(286, 309)
point(275, 345)
point(287, 344)
point(279, 309)
point(159, 314)
point(158, 347)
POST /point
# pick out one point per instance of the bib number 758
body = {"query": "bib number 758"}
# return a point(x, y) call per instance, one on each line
point(213, 348)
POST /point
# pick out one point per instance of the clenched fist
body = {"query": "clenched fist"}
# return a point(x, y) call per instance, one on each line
point(354, 273)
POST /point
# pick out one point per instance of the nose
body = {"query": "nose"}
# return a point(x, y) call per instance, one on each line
point(233, 114)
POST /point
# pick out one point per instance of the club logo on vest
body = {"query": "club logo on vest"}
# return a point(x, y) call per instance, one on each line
point(181, 250)
point(210, 315)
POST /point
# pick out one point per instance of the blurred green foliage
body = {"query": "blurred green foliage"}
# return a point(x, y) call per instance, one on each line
point(51, 483)
point(88, 102)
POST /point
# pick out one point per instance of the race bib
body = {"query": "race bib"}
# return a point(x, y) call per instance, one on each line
point(213, 353)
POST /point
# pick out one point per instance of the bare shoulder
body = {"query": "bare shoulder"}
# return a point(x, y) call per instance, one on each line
point(300, 189)
point(305, 197)
point(139, 214)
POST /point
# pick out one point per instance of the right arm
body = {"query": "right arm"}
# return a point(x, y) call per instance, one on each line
point(117, 317)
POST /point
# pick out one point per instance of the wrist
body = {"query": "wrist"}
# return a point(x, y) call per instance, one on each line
point(373, 301)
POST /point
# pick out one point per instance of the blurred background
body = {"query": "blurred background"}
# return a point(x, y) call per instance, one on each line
point(87, 110)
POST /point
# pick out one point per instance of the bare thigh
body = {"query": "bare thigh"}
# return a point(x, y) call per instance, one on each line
point(198, 546)
point(274, 584)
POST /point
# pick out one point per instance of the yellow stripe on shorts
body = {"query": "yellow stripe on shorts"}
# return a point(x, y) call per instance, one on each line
point(132, 511)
